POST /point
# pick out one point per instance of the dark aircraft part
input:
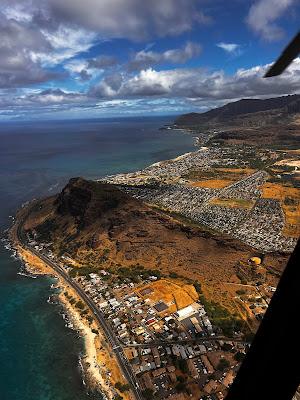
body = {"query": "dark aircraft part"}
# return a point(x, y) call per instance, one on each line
point(271, 368)
point(287, 56)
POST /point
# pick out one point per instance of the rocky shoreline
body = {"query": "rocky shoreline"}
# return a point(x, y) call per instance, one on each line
point(91, 362)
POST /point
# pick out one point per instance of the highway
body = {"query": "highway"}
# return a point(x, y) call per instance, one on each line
point(117, 347)
point(204, 339)
point(109, 334)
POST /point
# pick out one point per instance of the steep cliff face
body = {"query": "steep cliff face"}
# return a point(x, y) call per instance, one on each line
point(86, 201)
point(74, 199)
point(88, 220)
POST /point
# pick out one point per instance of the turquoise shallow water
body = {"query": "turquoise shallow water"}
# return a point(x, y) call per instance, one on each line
point(38, 354)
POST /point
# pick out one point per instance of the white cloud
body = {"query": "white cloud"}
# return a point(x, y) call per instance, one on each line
point(55, 96)
point(150, 91)
point(76, 66)
point(18, 12)
point(18, 41)
point(146, 58)
point(133, 19)
point(66, 43)
point(229, 47)
point(263, 15)
point(87, 69)
point(200, 84)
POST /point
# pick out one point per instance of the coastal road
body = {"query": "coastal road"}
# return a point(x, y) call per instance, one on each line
point(110, 335)
point(204, 339)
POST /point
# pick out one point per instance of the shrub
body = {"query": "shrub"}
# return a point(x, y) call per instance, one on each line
point(239, 356)
point(223, 364)
point(197, 286)
point(147, 394)
point(122, 387)
point(80, 305)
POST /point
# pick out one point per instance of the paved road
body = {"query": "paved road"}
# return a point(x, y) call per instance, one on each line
point(203, 339)
point(110, 335)
point(113, 340)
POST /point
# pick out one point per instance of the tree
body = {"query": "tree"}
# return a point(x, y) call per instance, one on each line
point(226, 347)
point(147, 394)
point(239, 356)
point(180, 387)
point(223, 364)
point(90, 319)
point(197, 286)
point(80, 305)
point(183, 366)
point(249, 337)
point(122, 387)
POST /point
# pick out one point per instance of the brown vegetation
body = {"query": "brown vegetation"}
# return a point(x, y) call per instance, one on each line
point(234, 203)
point(290, 203)
point(99, 226)
point(212, 183)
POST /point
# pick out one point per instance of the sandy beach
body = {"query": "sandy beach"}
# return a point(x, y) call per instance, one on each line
point(100, 368)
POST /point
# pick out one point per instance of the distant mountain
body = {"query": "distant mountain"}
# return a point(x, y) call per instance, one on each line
point(246, 112)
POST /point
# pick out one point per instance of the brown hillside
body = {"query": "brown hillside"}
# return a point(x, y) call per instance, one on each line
point(100, 225)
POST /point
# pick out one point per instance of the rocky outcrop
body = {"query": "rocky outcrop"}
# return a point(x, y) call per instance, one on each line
point(95, 222)
point(74, 198)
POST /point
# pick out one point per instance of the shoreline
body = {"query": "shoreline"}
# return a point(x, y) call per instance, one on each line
point(99, 369)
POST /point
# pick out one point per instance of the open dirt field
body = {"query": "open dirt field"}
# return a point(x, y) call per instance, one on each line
point(234, 203)
point(212, 183)
point(290, 202)
point(175, 295)
point(289, 162)
point(218, 178)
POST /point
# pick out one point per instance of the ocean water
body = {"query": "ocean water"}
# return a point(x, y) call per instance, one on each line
point(38, 354)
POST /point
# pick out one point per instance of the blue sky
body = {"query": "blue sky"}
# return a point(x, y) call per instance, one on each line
point(104, 58)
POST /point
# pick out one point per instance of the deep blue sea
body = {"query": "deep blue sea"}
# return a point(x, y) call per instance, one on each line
point(38, 354)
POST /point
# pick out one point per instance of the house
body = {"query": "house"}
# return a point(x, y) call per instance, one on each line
point(211, 386)
point(182, 352)
point(172, 377)
point(207, 364)
point(146, 291)
point(158, 372)
point(185, 312)
point(146, 382)
point(202, 348)
point(228, 378)
point(192, 369)
point(139, 330)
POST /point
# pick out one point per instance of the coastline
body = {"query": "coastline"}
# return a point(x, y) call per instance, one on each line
point(100, 370)
point(41, 184)
point(99, 367)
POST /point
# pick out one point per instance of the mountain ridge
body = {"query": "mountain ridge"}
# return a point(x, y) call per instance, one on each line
point(95, 222)
point(265, 110)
